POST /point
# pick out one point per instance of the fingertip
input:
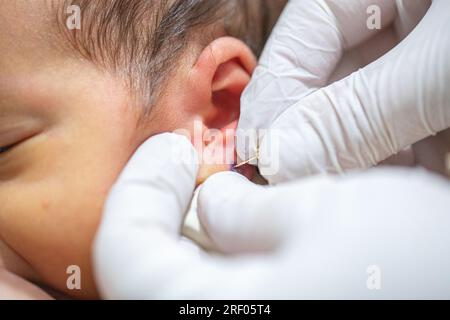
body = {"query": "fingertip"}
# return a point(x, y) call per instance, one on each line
point(163, 156)
point(222, 180)
point(218, 187)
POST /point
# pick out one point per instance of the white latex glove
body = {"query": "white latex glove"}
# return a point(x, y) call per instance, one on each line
point(316, 238)
point(364, 118)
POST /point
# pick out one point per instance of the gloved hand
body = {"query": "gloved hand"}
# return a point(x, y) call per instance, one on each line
point(283, 242)
point(362, 119)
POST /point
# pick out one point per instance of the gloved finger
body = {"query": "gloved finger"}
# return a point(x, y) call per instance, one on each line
point(386, 219)
point(152, 193)
point(372, 114)
point(432, 153)
point(301, 54)
point(240, 216)
point(157, 184)
point(409, 14)
point(140, 234)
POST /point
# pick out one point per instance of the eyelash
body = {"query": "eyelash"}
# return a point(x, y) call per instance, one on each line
point(5, 149)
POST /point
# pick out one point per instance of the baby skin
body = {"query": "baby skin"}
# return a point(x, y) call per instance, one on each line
point(68, 127)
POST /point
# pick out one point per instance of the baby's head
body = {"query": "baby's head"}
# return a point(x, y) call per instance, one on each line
point(75, 105)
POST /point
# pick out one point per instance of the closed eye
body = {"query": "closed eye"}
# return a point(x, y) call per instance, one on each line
point(5, 149)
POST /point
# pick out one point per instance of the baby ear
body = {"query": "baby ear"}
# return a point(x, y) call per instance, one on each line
point(218, 78)
point(215, 85)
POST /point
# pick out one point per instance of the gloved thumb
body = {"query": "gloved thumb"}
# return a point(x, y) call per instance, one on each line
point(238, 215)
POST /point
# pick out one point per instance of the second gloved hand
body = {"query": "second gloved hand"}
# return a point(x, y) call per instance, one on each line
point(357, 122)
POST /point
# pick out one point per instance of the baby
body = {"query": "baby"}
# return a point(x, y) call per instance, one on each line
point(76, 103)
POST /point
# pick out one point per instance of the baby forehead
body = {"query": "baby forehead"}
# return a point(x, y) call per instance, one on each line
point(29, 13)
point(26, 24)
point(29, 35)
